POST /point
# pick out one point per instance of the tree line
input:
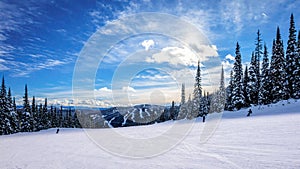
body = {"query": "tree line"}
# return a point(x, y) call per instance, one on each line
point(261, 83)
point(275, 80)
point(34, 117)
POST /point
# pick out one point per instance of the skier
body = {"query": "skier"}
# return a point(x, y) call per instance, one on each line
point(249, 112)
point(57, 131)
point(203, 118)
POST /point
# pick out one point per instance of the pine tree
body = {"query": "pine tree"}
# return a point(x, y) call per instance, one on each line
point(296, 93)
point(9, 100)
point(182, 94)
point(76, 120)
point(53, 117)
point(237, 97)
point(33, 110)
point(3, 97)
point(26, 118)
point(265, 87)
point(258, 53)
point(5, 123)
point(14, 104)
point(35, 115)
point(13, 116)
point(41, 115)
point(252, 88)
point(196, 107)
point(183, 111)
point(291, 56)
point(229, 91)
point(45, 119)
point(204, 105)
point(60, 117)
point(219, 97)
point(26, 105)
point(277, 70)
point(222, 92)
point(245, 87)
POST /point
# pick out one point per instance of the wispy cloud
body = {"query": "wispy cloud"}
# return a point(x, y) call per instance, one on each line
point(2, 65)
point(24, 69)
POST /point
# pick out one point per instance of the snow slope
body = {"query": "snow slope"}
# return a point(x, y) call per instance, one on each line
point(268, 139)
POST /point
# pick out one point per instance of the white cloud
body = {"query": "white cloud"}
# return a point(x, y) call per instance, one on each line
point(183, 55)
point(230, 57)
point(3, 67)
point(153, 77)
point(128, 89)
point(103, 93)
point(104, 89)
point(147, 44)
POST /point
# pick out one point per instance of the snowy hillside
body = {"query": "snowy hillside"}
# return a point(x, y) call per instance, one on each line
point(269, 138)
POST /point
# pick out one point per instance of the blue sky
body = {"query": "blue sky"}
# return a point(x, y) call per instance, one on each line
point(41, 44)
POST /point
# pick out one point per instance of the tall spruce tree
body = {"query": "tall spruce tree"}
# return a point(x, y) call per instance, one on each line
point(26, 118)
point(265, 87)
point(291, 56)
point(229, 93)
point(252, 88)
point(5, 123)
point(238, 98)
point(196, 108)
point(183, 94)
point(245, 87)
point(35, 115)
point(33, 110)
point(222, 92)
point(13, 116)
point(296, 94)
point(258, 53)
point(9, 100)
point(183, 105)
point(3, 97)
point(26, 105)
point(277, 70)
point(219, 97)
point(14, 104)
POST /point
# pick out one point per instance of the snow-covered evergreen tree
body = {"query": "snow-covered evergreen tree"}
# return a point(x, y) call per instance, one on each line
point(197, 95)
point(229, 90)
point(237, 92)
point(34, 114)
point(14, 104)
point(277, 70)
point(204, 105)
point(291, 56)
point(265, 87)
point(26, 121)
point(252, 88)
point(9, 100)
point(5, 118)
point(76, 120)
point(222, 92)
point(245, 87)
point(13, 116)
point(183, 105)
point(258, 53)
point(296, 93)
point(219, 97)
point(182, 94)
point(26, 106)
point(3, 97)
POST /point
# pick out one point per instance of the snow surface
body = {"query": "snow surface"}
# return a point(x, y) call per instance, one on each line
point(269, 138)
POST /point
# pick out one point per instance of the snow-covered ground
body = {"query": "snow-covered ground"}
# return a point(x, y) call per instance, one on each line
point(270, 138)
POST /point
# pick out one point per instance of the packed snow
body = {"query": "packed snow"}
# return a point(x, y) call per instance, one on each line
point(269, 138)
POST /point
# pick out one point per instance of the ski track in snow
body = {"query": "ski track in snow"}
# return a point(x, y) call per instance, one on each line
point(268, 139)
